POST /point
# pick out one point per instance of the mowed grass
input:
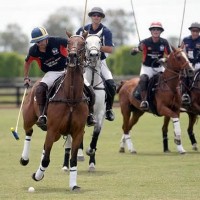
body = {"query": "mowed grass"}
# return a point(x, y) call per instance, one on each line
point(148, 175)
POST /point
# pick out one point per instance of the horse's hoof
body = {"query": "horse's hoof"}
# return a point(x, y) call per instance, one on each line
point(33, 177)
point(180, 149)
point(122, 150)
point(24, 162)
point(133, 151)
point(91, 167)
point(167, 151)
point(65, 169)
point(75, 188)
point(90, 152)
point(194, 147)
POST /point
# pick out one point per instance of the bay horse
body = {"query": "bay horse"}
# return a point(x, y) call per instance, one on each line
point(67, 112)
point(166, 100)
point(94, 78)
point(192, 110)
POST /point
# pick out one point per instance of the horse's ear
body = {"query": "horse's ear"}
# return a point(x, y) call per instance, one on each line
point(100, 32)
point(68, 34)
point(84, 34)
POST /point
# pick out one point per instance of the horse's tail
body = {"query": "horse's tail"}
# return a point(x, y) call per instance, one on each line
point(120, 85)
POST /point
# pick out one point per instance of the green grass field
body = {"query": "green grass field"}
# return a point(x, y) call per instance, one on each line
point(149, 175)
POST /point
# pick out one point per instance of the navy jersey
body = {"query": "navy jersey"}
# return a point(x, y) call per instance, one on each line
point(192, 48)
point(55, 57)
point(152, 51)
point(106, 37)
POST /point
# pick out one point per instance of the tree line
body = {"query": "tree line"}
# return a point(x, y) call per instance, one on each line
point(14, 44)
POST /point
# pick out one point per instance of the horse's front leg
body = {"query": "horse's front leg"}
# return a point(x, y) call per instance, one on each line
point(45, 158)
point(26, 149)
point(76, 141)
point(177, 132)
point(192, 120)
point(165, 134)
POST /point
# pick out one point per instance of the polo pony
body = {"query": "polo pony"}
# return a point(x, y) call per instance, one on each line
point(67, 112)
point(164, 99)
point(94, 78)
point(192, 110)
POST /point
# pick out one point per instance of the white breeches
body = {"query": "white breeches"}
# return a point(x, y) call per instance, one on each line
point(105, 70)
point(150, 71)
point(51, 76)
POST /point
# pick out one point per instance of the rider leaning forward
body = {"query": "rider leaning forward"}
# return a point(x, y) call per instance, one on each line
point(153, 49)
point(50, 53)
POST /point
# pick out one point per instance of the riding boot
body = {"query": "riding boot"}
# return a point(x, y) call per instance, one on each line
point(90, 93)
point(144, 105)
point(143, 84)
point(185, 97)
point(110, 91)
point(41, 93)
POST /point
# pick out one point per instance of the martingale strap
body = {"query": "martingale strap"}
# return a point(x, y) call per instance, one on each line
point(69, 101)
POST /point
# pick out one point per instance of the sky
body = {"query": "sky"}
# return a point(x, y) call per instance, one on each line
point(31, 13)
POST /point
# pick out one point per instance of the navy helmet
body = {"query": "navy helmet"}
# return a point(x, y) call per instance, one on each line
point(39, 34)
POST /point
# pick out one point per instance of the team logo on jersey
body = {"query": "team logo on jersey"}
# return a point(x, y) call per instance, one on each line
point(198, 45)
point(55, 51)
point(149, 48)
point(162, 47)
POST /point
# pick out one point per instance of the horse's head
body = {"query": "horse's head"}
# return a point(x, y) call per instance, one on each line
point(92, 46)
point(177, 60)
point(76, 48)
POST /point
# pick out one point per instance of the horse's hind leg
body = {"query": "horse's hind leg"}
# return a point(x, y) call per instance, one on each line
point(192, 120)
point(165, 134)
point(25, 153)
point(68, 145)
point(92, 163)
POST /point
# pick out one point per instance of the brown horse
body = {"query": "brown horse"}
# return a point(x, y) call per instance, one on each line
point(67, 112)
point(193, 110)
point(166, 100)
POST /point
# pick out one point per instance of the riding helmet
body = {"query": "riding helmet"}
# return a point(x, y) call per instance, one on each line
point(39, 34)
point(96, 10)
point(156, 25)
point(194, 25)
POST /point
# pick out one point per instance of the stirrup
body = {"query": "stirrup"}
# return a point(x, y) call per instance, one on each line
point(144, 105)
point(186, 99)
point(42, 122)
point(90, 120)
point(110, 115)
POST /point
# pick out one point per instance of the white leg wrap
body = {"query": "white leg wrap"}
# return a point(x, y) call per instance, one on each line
point(73, 177)
point(40, 173)
point(177, 128)
point(25, 153)
point(122, 142)
point(68, 143)
point(129, 143)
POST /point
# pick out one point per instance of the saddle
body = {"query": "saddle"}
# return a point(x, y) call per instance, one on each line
point(152, 84)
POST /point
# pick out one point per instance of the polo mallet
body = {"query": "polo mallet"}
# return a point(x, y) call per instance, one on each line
point(84, 14)
point(179, 43)
point(14, 131)
point(135, 21)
